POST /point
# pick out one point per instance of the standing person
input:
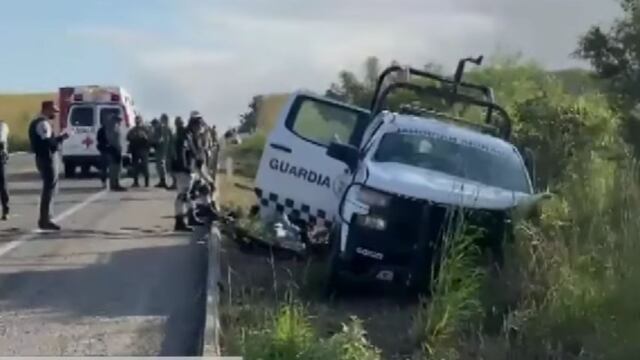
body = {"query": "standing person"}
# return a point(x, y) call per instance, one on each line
point(112, 131)
point(4, 157)
point(213, 162)
point(45, 145)
point(182, 172)
point(162, 140)
point(197, 148)
point(197, 144)
point(103, 148)
point(178, 124)
point(139, 144)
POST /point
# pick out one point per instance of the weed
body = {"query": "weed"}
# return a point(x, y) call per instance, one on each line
point(456, 285)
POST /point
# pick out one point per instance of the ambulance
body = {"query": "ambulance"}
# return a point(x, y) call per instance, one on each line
point(82, 109)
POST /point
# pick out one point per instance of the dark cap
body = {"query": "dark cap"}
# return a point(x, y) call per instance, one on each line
point(49, 105)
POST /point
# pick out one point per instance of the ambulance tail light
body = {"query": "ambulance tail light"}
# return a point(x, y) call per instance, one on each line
point(127, 119)
point(77, 97)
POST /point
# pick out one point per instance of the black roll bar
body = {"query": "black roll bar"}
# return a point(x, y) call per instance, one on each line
point(449, 93)
point(503, 130)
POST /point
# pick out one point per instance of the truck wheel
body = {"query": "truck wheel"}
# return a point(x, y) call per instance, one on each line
point(69, 170)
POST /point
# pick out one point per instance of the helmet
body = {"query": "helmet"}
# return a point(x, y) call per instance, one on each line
point(195, 115)
point(194, 122)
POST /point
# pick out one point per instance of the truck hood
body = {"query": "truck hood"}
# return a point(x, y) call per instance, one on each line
point(410, 181)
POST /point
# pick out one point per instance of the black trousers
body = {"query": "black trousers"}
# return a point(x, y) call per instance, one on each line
point(48, 170)
point(4, 192)
point(104, 167)
point(140, 164)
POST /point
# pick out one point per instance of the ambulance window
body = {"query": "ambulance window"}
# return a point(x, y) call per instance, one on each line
point(107, 112)
point(324, 122)
point(82, 116)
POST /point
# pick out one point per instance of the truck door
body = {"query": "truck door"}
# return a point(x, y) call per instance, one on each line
point(295, 174)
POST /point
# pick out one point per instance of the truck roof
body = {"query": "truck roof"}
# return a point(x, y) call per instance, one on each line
point(434, 126)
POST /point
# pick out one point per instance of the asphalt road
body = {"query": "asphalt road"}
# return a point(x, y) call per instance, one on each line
point(21, 162)
point(115, 281)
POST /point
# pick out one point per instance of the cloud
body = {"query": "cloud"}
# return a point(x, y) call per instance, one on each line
point(226, 52)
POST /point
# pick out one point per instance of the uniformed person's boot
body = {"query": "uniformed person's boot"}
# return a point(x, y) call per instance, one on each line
point(180, 225)
point(5, 212)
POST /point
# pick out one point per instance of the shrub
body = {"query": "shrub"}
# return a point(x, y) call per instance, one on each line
point(288, 335)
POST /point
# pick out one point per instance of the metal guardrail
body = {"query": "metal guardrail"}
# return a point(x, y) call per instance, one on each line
point(209, 344)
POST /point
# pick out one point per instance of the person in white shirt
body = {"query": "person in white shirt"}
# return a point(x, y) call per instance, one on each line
point(46, 145)
point(4, 157)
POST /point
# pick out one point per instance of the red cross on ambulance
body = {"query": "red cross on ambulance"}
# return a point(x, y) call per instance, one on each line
point(88, 141)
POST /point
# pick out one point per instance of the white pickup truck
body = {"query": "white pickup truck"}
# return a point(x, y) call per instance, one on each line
point(387, 185)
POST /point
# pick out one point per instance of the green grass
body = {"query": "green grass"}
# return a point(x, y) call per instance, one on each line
point(288, 334)
point(567, 291)
point(246, 156)
point(18, 110)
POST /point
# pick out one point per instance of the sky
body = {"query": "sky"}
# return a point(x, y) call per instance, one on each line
point(213, 55)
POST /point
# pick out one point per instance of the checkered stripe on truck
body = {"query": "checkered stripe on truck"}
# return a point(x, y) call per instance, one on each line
point(295, 210)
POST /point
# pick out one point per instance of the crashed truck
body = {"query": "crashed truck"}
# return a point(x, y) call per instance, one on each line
point(386, 182)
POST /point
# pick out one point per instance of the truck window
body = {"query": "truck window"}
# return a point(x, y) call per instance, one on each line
point(322, 123)
point(107, 112)
point(82, 116)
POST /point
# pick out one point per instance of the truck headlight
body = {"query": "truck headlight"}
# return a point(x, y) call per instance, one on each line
point(372, 222)
point(373, 198)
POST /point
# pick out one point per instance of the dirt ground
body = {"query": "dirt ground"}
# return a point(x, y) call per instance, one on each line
point(260, 279)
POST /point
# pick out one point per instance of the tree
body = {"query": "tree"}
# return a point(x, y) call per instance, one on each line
point(249, 120)
point(614, 53)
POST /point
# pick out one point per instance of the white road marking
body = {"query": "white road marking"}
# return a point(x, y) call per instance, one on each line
point(65, 214)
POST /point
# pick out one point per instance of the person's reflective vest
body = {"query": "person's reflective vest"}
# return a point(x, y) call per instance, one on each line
point(42, 148)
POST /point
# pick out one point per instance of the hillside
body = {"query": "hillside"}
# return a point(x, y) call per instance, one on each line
point(579, 81)
point(575, 81)
point(17, 110)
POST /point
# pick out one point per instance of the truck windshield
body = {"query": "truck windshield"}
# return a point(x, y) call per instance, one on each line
point(502, 170)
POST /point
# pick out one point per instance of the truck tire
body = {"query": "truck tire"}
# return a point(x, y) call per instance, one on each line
point(69, 169)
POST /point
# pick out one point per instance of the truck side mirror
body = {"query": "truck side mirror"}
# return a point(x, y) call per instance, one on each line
point(530, 163)
point(345, 153)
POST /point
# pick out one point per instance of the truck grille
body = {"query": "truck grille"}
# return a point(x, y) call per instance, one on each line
point(412, 219)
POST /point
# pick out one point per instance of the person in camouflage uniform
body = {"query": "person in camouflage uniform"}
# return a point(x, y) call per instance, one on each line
point(139, 139)
point(181, 160)
point(178, 125)
point(213, 160)
point(163, 139)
